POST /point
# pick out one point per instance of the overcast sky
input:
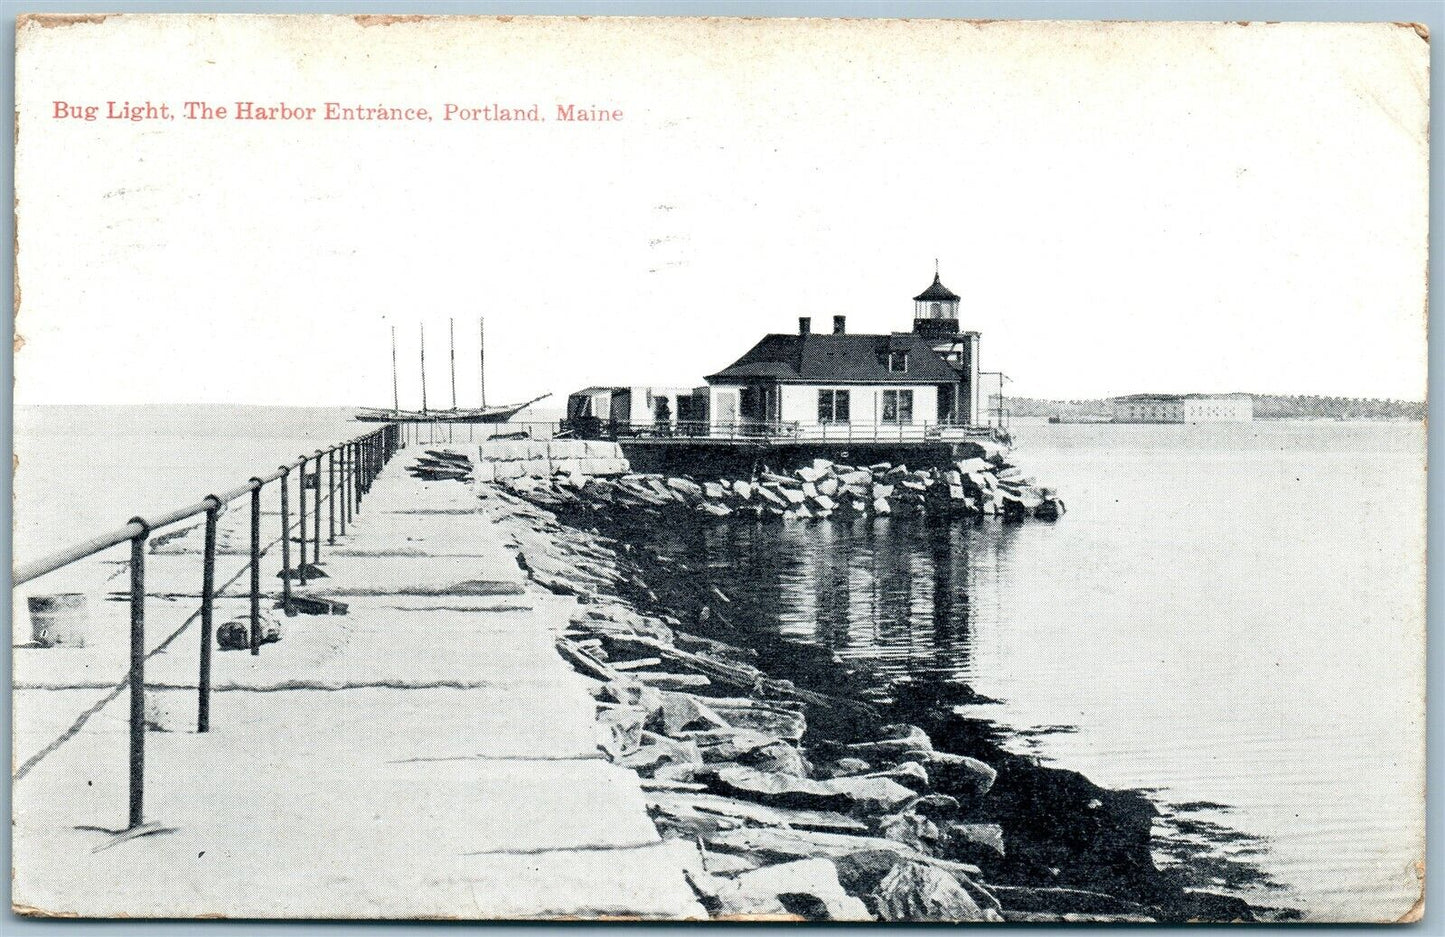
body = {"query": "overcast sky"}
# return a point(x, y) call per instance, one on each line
point(1123, 208)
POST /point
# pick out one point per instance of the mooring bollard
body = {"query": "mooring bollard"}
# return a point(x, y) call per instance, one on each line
point(285, 543)
point(256, 565)
point(137, 673)
point(208, 595)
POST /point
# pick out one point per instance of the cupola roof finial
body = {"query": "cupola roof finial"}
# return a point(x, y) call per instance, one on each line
point(937, 292)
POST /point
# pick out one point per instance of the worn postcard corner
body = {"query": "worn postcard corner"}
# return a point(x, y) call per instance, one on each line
point(704, 468)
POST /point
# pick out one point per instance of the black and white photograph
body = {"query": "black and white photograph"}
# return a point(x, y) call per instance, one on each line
point(672, 468)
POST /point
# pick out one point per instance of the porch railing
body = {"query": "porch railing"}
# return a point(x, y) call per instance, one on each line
point(778, 431)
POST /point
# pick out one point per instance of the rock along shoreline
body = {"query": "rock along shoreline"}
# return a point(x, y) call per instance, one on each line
point(817, 789)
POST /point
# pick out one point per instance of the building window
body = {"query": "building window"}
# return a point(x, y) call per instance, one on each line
point(832, 406)
point(937, 310)
point(898, 406)
point(898, 361)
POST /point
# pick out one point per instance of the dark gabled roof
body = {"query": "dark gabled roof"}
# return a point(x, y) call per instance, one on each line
point(937, 293)
point(824, 359)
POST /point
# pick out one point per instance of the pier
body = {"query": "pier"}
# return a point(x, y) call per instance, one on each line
point(424, 754)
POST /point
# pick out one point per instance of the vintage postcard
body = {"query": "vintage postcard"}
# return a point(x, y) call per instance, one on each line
point(705, 468)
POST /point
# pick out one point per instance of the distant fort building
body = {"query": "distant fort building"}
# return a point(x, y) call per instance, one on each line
point(1183, 408)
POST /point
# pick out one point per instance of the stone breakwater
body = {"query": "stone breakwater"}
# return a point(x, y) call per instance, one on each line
point(560, 472)
point(812, 787)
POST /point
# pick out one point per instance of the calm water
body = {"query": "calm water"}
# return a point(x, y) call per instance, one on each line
point(1231, 616)
point(83, 470)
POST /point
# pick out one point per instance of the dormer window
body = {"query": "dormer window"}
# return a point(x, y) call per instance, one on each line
point(898, 361)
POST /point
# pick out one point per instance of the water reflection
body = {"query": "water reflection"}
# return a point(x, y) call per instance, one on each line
point(905, 594)
point(921, 598)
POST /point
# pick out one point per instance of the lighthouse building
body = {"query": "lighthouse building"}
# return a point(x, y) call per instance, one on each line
point(829, 382)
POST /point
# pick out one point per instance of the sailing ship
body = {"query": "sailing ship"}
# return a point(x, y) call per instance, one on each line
point(483, 414)
point(493, 414)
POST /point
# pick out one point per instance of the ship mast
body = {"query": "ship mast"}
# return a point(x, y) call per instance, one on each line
point(482, 357)
point(395, 393)
point(452, 335)
point(423, 368)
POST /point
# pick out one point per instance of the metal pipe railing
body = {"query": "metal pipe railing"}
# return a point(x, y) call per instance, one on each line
point(286, 543)
point(255, 566)
point(355, 476)
point(208, 595)
point(138, 675)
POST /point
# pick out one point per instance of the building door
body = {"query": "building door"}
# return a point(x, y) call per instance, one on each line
point(947, 403)
point(727, 407)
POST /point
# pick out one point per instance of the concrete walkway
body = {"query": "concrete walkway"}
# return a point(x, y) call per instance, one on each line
point(427, 755)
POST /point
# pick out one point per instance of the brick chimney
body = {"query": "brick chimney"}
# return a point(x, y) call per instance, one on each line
point(805, 325)
point(839, 324)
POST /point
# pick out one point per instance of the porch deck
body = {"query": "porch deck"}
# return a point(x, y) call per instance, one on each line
point(759, 433)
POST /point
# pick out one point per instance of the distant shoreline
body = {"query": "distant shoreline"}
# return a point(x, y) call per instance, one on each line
point(1266, 407)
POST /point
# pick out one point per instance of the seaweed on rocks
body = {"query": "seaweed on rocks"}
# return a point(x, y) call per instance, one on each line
point(771, 754)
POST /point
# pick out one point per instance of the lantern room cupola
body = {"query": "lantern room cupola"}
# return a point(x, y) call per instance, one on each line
point(935, 310)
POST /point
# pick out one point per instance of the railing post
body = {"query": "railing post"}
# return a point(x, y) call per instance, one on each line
point(137, 674)
point(301, 527)
point(285, 542)
point(208, 595)
point(316, 516)
point(331, 496)
point(344, 490)
point(255, 565)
